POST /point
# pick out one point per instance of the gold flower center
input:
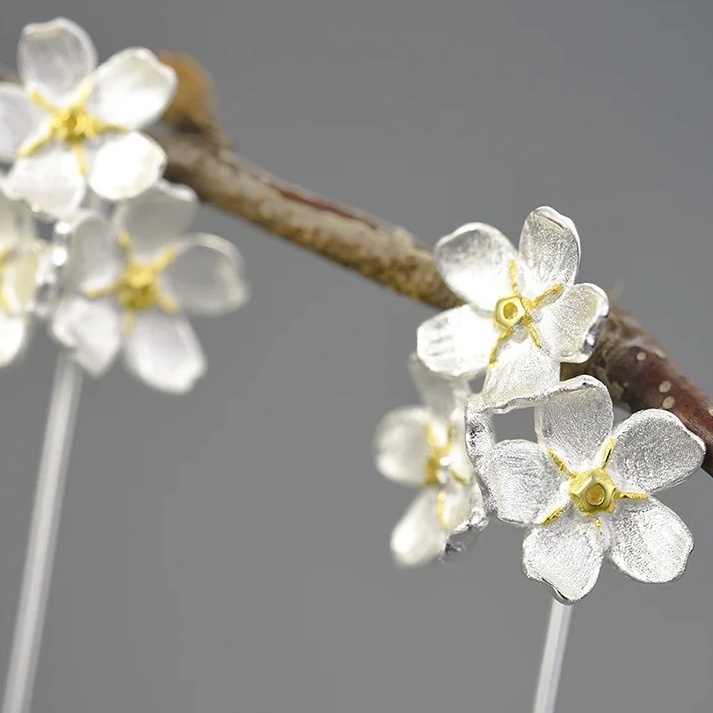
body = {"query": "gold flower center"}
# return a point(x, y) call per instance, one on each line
point(72, 125)
point(139, 286)
point(594, 492)
point(516, 309)
point(439, 470)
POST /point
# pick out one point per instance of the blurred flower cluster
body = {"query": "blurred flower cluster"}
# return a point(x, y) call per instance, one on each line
point(120, 273)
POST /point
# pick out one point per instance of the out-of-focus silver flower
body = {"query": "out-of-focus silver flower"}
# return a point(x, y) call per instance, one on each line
point(131, 280)
point(524, 314)
point(584, 490)
point(424, 447)
point(70, 125)
point(23, 265)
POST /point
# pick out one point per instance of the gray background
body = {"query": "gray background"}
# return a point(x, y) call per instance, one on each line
point(228, 551)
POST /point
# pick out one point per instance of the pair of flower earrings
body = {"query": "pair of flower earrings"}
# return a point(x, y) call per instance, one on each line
point(71, 132)
point(120, 273)
point(584, 491)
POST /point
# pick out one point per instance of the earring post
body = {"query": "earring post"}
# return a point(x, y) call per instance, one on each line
point(42, 541)
point(552, 657)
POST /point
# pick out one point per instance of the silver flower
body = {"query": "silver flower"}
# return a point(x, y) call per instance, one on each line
point(130, 282)
point(524, 314)
point(584, 490)
point(71, 124)
point(424, 447)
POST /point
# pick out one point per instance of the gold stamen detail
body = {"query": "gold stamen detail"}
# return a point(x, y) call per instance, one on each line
point(441, 510)
point(73, 126)
point(517, 309)
point(139, 287)
point(553, 516)
point(593, 491)
point(561, 464)
point(608, 452)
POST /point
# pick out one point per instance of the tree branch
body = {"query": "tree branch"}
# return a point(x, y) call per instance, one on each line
point(627, 359)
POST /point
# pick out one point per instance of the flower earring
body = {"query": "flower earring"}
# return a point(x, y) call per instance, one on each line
point(424, 447)
point(585, 489)
point(72, 125)
point(524, 315)
point(131, 280)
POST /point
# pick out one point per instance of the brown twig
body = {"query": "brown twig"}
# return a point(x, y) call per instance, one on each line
point(627, 359)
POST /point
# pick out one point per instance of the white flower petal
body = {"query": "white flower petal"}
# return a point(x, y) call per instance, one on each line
point(17, 225)
point(95, 257)
point(549, 250)
point(654, 450)
point(575, 421)
point(14, 337)
point(441, 394)
point(50, 182)
point(54, 58)
point(524, 483)
point(521, 371)
point(420, 535)
point(156, 218)
point(566, 555)
point(401, 448)
point(474, 262)
point(456, 342)
point(649, 542)
point(207, 276)
point(19, 118)
point(419, 538)
point(19, 279)
point(163, 351)
point(570, 326)
point(126, 165)
point(91, 328)
point(132, 89)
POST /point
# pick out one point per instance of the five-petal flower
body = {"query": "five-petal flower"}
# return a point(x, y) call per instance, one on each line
point(524, 315)
point(130, 281)
point(584, 490)
point(71, 125)
point(424, 446)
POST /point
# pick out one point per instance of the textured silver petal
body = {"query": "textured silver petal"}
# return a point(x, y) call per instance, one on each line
point(549, 251)
point(521, 371)
point(575, 420)
point(571, 325)
point(400, 447)
point(54, 58)
point(524, 483)
point(654, 450)
point(464, 538)
point(649, 542)
point(419, 536)
point(479, 434)
point(442, 395)
point(207, 276)
point(456, 342)
point(473, 262)
point(566, 555)
point(96, 259)
point(164, 352)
